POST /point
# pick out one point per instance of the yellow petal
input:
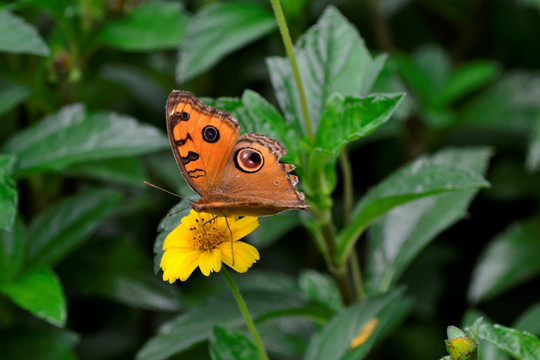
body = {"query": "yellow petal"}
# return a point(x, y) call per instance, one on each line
point(245, 256)
point(244, 227)
point(179, 237)
point(210, 261)
point(188, 267)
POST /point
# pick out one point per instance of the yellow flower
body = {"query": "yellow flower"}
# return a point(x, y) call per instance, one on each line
point(193, 245)
point(364, 333)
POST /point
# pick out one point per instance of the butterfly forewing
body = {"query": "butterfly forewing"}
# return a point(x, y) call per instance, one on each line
point(201, 138)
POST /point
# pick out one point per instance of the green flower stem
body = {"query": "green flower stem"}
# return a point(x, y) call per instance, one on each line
point(287, 42)
point(245, 313)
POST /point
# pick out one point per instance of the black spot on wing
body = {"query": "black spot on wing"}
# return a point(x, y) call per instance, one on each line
point(191, 156)
point(181, 142)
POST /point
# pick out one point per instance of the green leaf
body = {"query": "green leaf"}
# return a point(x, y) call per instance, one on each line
point(530, 320)
point(334, 340)
point(63, 226)
point(40, 292)
point(273, 228)
point(152, 26)
point(196, 326)
point(216, 31)
point(468, 78)
point(346, 119)
point(16, 36)
point(123, 275)
point(427, 73)
point(12, 251)
point(388, 319)
point(231, 345)
point(396, 238)
point(510, 259)
point(25, 343)
point(533, 152)
point(11, 95)
point(126, 171)
point(424, 177)
point(71, 137)
point(511, 104)
point(332, 58)
point(320, 287)
point(520, 345)
point(8, 193)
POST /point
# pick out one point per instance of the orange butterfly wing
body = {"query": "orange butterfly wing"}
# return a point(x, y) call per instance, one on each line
point(201, 138)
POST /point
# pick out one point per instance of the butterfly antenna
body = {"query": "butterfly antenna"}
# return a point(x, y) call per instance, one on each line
point(177, 212)
point(167, 191)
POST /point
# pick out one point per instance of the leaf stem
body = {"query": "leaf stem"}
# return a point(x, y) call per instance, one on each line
point(357, 276)
point(348, 190)
point(245, 313)
point(339, 272)
point(287, 42)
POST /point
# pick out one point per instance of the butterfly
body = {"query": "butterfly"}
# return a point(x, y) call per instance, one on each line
point(234, 175)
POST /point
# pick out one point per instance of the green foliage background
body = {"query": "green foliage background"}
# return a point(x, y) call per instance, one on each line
point(422, 176)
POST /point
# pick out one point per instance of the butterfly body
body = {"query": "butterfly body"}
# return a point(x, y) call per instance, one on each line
point(234, 175)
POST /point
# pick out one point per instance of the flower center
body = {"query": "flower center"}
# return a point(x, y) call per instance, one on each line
point(206, 236)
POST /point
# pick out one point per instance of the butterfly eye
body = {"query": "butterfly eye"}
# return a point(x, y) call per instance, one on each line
point(184, 116)
point(249, 160)
point(210, 134)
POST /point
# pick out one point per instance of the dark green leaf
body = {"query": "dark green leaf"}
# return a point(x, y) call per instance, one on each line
point(62, 227)
point(398, 237)
point(320, 287)
point(152, 26)
point(11, 95)
point(520, 345)
point(124, 275)
point(530, 320)
point(427, 73)
point(12, 251)
point(40, 292)
point(273, 228)
point(346, 119)
point(71, 136)
point(26, 343)
point(16, 36)
point(510, 104)
point(231, 345)
point(216, 31)
point(471, 76)
point(533, 152)
point(196, 326)
point(286, 337)
point(334, 340)
point(8, 193)
point(510, 259)
point(423, 177)
point(126, 171)
point(332, 58)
